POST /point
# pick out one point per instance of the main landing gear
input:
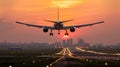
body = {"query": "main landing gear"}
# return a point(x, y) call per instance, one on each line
point(66, 33)
point(51, 34)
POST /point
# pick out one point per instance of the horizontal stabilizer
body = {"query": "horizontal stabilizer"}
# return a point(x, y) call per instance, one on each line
point(50, 21)
point(66, 21)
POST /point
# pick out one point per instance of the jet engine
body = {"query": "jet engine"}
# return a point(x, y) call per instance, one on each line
point(72, 29)
point(45, 30)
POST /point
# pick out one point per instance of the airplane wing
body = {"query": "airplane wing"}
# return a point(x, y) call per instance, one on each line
point(38, 26)
point(84, 25)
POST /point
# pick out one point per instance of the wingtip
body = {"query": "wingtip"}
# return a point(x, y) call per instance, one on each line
point(19, 22)
point(103, 21)
point(16, 22)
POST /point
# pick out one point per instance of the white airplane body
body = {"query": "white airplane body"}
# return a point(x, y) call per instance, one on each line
point(58, 25)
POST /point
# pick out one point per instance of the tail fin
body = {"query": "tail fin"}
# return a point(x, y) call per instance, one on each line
point(58, 19)
point(58, 14)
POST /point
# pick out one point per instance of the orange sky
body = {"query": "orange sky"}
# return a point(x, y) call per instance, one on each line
point(82, 11)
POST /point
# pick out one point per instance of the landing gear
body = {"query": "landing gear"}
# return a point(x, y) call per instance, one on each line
point(66, 33)
point(51, 34)
point(58, 32)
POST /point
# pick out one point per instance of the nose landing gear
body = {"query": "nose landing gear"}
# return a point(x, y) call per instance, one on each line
point(58, 32)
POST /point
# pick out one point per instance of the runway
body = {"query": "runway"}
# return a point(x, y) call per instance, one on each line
point(85, 58)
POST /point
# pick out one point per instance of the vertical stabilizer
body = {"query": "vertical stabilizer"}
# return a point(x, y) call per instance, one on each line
point(58, 14)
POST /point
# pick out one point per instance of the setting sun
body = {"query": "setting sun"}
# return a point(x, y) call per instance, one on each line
point(65, 3)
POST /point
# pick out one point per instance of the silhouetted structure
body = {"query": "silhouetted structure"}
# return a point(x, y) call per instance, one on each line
point(70, 42)
point(82, 43)
point(63, 42)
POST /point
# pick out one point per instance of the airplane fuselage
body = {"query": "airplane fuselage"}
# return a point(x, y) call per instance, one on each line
point(58, 26)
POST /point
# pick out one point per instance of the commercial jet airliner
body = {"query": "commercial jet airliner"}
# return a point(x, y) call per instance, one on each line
point(58, 25)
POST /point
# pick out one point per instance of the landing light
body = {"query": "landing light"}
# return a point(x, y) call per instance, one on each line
point(106, 64)
point(10, 66)
point(47, 66)
point(33, 61)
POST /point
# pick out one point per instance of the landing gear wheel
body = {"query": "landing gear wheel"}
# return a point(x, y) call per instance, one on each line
point(66, 34)
point(58, 33)
point(51, 34)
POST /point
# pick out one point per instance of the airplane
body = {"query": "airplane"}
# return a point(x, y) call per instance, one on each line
point(58, 25)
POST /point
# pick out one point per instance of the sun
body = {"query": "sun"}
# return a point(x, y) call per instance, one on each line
point(65, 3)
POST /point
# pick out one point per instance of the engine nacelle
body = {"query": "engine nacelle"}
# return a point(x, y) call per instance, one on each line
point(72, 29)
point(45, 30)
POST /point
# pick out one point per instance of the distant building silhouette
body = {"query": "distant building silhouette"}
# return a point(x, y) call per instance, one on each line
point(82, 43)
point(57, 43)
point(64, 42)
point(70, 42)
point(16, 50)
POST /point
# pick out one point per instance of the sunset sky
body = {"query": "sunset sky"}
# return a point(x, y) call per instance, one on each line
point(82, 11)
